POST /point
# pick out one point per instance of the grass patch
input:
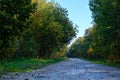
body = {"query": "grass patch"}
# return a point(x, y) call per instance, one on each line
point(24, 65)
point(105, 62)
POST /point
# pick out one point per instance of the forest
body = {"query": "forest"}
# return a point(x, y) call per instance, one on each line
point(102, 40)
point(34, 29)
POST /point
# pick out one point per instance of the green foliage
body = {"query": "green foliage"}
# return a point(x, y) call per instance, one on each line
point(14, 16)
point(102, 41)
point(106, 16)
point(77, 48)
point(33, 28)
point(24, 64)
point(27, 45)
point(104, 62)
point(59, 52)
point(52, 28)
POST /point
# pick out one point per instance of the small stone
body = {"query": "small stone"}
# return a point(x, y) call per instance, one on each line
point(101, 77)
point(26, 79)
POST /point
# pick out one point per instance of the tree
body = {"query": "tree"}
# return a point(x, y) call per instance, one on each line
point(14, 18)
point(101, 41)
point(77, 49)
point(106, 16)
point(53, 29)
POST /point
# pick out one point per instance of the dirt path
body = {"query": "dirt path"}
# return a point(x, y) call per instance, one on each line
point(72, 69)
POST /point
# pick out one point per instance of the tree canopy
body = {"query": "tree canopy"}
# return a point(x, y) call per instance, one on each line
point(102, 41)
point(33, 28)
point(53, 29)
point(14, 17)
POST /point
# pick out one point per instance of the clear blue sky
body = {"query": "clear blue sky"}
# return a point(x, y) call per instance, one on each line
point(79, 13)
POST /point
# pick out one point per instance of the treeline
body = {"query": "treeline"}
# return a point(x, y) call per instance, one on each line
point(102, 41)
point(33, 29)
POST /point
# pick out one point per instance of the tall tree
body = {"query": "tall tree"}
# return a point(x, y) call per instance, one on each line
point(14, 18)
point(53, 29)
point(106, 16)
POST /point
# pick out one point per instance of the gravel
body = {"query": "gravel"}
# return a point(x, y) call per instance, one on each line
point(71, 69)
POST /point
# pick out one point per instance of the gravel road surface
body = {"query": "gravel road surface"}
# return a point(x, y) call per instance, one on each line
point(71, 69)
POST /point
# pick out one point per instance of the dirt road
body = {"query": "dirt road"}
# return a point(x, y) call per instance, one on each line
point(71, 69)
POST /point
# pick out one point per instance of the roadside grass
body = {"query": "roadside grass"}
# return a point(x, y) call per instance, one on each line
point(24, 64)
point(105, 62)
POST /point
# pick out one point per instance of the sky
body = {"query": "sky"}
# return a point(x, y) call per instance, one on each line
point(79, 13)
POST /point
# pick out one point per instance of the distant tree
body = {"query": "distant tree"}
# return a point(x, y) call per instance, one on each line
point(78, 48)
